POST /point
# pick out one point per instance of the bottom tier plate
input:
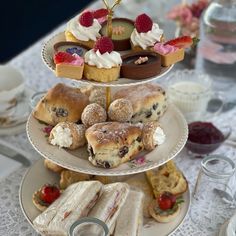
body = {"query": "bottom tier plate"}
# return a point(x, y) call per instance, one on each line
point(38, 175)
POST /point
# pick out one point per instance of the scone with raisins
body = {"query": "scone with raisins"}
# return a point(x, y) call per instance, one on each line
point(112, 143)
point(149, 101)
point(61, 103)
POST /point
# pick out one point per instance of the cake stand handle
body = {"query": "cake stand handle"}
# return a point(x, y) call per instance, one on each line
point(108, 97)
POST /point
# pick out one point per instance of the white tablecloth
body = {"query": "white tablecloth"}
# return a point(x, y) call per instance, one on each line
point(38, 77)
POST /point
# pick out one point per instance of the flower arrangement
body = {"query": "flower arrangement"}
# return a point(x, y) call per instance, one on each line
point(187, 16)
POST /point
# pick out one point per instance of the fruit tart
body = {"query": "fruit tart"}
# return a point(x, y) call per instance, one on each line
point(173, 51)
point(145, 34)
point(69, 66)
point(102, 64)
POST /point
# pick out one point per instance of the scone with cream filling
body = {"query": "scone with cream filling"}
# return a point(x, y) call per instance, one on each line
point(153, 135)
point(68, 135)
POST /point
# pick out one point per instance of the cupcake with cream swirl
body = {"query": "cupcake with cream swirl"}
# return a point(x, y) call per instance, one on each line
point(102, 64)
point(145, 34)
point(84, 29)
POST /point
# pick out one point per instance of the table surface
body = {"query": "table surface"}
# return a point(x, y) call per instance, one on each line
point(38, 77)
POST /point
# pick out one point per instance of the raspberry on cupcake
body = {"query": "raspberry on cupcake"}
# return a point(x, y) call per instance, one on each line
point(84, 28)
point(68, 66)
point(102, 64)
point(145, 34)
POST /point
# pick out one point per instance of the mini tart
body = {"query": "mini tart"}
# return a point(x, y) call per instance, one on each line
point(137, 48)
point(122, 29)
point(101, 74)
point(69, 71)
point(71, 38)
point(150, 68)
point(163, 216)
point(172, 58)
point(102, 63)
point(65, 46)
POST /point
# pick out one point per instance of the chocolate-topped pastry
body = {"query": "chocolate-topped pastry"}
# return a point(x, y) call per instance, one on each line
point(121, 32)
point(140, 65)
point(71, 47)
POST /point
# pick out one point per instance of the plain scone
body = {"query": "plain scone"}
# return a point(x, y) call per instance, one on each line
point(61, 103)
point(112, 143)
point(149, 101)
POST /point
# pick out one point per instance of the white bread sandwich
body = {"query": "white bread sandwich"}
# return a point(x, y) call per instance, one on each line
point(75, 202)
point(130, 219)
point(110, 203)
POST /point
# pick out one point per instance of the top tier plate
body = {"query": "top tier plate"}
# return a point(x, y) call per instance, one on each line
point(47, 56)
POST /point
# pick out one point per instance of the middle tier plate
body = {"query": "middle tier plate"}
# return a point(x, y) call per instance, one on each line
point(48, 53)
point(172, 122)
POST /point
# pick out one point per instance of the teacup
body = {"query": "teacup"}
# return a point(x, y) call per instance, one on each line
point(11, 87)
point(191, 91)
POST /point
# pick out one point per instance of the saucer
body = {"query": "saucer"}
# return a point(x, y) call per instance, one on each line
point(15, 123)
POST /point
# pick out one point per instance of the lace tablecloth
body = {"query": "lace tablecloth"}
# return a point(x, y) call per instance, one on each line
point(12, 221)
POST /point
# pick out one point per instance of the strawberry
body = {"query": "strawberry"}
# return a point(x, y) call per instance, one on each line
point(61, 57)
point(49, 193)
point(86, 19)
point(104, 44)
point(181, 42)
point(100, 13)
point(166, 201)
point(143, 23)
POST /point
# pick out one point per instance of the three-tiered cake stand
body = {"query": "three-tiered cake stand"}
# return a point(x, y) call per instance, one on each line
point(172, 122)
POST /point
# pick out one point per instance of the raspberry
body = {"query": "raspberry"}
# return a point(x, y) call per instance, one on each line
point(100, 13)
point(143, 23)
point(104, 44)
point(61, 57)
point(86, 19)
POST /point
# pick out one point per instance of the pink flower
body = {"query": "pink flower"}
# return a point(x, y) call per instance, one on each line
point(140, 160)
point(48, 129)
point(181, 13)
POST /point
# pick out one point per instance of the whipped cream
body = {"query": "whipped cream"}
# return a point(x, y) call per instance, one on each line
point(84, 33)
point(164, 49)
point(105, 60)
point(148, 39)
point(61, 137)
point(159, 136)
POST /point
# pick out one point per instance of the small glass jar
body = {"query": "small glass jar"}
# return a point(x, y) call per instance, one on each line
point(89, 226)
point(213, 199)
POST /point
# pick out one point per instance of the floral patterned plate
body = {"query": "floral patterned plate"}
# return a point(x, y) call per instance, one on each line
point(38, 175)
point(173, 123)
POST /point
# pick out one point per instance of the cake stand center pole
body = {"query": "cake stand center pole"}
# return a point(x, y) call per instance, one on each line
point(108, 97)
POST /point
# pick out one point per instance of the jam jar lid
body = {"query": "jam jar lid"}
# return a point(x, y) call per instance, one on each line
point(218, 166)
